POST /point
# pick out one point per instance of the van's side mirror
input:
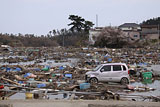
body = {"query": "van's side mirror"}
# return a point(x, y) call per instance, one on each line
point(102, 70)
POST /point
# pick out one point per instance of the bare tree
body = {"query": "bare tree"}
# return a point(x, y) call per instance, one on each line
point(111, 37)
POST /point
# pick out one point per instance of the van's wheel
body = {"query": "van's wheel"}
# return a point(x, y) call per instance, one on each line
point(124, 81)
point(93, 81)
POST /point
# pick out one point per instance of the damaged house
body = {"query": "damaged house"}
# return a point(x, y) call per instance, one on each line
point(150, 32)
point(132, 30)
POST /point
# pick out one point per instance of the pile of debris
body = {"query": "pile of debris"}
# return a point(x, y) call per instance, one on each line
point(40, 72)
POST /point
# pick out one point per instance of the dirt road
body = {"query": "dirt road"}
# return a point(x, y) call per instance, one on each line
point(75, 103)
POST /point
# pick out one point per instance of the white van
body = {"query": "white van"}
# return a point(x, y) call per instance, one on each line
point(110, 72)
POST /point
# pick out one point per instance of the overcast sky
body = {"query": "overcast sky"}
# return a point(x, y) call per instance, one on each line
point(40, 16)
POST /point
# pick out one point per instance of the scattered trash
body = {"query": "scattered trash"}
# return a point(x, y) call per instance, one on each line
point(41, 85)
point(68, 75)
point(41, 72)
point(147, 75)
point(84, 86)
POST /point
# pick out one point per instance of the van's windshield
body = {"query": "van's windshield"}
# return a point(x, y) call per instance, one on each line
point(99, 66)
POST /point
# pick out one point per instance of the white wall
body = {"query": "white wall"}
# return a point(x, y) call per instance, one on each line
point(92, 34)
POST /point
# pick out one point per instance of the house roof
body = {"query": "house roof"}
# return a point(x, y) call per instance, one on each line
point(149, 26)
point(129, 25)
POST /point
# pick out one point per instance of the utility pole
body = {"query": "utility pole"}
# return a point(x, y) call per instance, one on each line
point(158, 35)
point(96, 20)
point(158, 31)
point(63, 40)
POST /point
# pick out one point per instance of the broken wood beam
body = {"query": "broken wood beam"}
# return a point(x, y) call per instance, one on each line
point(13, 82)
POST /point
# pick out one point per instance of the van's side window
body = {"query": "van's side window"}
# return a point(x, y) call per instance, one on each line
point(124, 68)
point(117, 68)
point(106, 68)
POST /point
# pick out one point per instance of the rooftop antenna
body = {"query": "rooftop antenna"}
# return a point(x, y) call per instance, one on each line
point(96, 20)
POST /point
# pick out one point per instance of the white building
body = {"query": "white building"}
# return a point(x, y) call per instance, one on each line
point(94, 33)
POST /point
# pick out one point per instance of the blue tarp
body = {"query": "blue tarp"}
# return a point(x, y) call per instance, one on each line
point(8, 69)
point(105, 56)
point(17, 69)
point(140, 64)
point(25, 59)
point(20, 82)
point(11, 69)
point(109, 59)
point(27, 75)
point(3, 68)
point(41, 85)
point(37, 69)
point(68, 75)
point(61, 68)
point(84, 86)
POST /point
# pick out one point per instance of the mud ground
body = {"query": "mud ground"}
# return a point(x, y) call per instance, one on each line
point(77, 103)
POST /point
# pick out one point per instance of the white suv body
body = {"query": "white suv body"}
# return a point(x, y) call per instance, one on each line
point(110, 72)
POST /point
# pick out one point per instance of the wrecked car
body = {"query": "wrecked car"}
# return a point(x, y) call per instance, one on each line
point(110, 72)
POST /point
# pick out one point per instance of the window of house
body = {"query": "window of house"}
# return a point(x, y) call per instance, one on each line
point(117, 68)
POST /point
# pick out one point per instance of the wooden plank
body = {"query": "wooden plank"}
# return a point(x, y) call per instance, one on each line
point(10, 81)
